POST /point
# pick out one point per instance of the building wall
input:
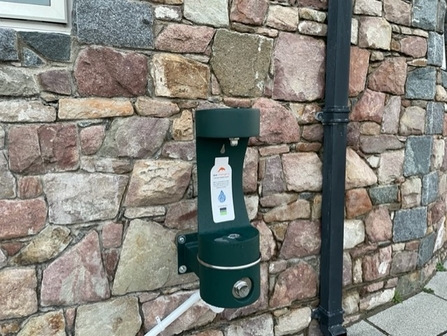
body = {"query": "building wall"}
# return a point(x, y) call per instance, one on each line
point(97, 161)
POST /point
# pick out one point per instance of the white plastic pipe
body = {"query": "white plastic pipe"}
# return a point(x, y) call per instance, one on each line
point(163, 324)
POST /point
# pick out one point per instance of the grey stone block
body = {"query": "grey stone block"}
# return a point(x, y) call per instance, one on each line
point(54, 47)
point(421, 84)
point(441, 16)
point(425, 14)
point(384, 194)
point(30, 58)
point(434, 118)
point(409, 224)
point(435, 50)
point(418, 150)
point(430, 184)
point(444, 78)
point(426, 249)
point(8, 45)
point(118, 23)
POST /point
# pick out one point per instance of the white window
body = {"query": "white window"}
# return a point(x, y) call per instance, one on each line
point(51, 15)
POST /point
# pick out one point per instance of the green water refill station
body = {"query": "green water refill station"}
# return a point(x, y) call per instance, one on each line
point(224, 253)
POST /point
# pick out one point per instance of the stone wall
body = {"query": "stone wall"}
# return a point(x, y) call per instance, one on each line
point(97, 160)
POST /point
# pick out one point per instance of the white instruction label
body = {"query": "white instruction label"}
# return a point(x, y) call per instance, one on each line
point(222, 205)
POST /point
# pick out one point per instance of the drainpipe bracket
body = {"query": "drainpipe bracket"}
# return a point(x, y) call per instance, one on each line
point(334, 115)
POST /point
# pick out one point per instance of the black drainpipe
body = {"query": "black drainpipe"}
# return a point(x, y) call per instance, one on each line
point(334, 117)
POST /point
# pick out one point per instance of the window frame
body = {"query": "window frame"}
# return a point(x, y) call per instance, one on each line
point(55, 12)
point(36, 22)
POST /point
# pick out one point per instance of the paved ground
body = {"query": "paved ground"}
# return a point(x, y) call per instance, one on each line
point(424, 314)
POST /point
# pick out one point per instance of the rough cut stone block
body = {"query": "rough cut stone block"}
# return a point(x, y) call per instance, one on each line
point(368, 7)
point(357, 202)
point(183, 38)
point(421, 84)
point(30, 59)
point(425, 14)
point(111, 235)
point(22, 218)
point(57, 81)
point(358, 173)
point(303, 238)
point(119, 23)
point(75, 278)
point(249, 11)
point(18, 292)
point(378, 265)
point(391, 166)
point(8, 45)
point(358, 69)
point(409, 224)
point(243, 71)
point(302, 277)
point(308, 177)
point(181, 150)
point(157, 182)
point(182, 215)
point(384, 194)
point(211, 12)
point(303, 83)
point(120, 317)
point(412, 121)
point(89, 197)
point(162, 306)
point(435, 118)
point(369, 107)
point(404, 262)
point(52, 46)
point(418, 151)
point(135, 137)
point(411, 193)
point(390, 76)
point(180, 77)
point(354, 233)
point(414, 46)
point(435, 49)
point(93, 108)
point(378, 225)
point(91, 138)
point(45, 246)
point(278, 124)
point(49, 324)
point(374, 33)
point(106, 72)
point(7, 180)
point(287, 212)
point(376, 299)
point(155, 245)
point(430, 183)
point(426, 248)
point(26, 111)
point(292, 322)
point(256, 326)
point(283, 18)
point(44, 149)
point(155, 108)
point(379, 144)
point(440, 22)
point(168, 13)
point(16, 82)
point(2, 137)
point(273, 181)
point(397, 11)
